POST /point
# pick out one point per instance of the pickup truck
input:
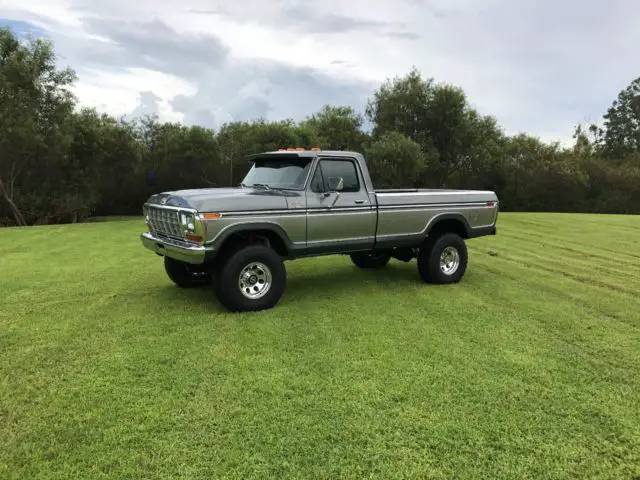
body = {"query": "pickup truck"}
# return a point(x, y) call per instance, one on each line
point(297, 203)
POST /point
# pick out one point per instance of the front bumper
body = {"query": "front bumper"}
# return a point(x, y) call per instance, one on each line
point(183, 251)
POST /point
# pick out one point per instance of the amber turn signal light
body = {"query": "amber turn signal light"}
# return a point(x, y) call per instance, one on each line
point(193, 238)
point(210, 216)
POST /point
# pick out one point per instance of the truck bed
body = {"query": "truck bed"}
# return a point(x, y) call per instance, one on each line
point(409, 213)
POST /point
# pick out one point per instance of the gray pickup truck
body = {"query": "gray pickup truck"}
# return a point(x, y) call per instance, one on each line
point(298, 203)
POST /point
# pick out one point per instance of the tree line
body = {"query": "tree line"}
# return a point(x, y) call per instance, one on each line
point(61, 163)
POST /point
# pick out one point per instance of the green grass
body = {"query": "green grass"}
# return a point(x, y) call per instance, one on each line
point(529, 368)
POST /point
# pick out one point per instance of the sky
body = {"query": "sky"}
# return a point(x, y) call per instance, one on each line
point(538, 66)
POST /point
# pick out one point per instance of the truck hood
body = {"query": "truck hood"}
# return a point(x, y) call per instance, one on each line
point(225, 199)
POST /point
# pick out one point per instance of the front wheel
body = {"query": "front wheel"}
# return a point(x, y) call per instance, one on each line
point(252, 279)
point(186, 275)
point(370, 260)
point(443, 259)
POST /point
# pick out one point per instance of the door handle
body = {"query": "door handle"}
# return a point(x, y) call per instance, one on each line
point(359, 202)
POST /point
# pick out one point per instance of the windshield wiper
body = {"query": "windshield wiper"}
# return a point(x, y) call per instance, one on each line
point(263, 185)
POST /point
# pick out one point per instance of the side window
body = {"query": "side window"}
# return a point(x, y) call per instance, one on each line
point(317, 182)
point(341, 168)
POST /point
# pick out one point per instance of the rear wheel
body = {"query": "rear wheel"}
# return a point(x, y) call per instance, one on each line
point(186, 275)
point(370, 260)
point(253, 278)
point(443, 259)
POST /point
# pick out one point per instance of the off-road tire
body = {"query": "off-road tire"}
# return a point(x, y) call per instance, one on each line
point(429, 259)
point(370, 260)
point(186, 275)
point(227, 285)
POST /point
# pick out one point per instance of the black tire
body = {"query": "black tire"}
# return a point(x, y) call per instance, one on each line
point(370, 260)
point(227, 286)
point(186, 275)
point(429, 264)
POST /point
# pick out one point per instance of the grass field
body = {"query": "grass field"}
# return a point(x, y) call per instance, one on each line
point(529, 368)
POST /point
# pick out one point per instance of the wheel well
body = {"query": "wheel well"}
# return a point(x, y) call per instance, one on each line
point(447, 225)
point(252, 237)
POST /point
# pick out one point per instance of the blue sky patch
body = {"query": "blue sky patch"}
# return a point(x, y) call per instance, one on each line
point(21, 28)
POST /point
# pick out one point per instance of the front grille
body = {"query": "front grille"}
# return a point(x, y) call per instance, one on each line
point(165, 222)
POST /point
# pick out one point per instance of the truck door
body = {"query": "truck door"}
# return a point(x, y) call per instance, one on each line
point(340, 216)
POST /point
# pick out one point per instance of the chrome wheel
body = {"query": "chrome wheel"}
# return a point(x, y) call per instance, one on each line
point(255, 280)
point(449, 260)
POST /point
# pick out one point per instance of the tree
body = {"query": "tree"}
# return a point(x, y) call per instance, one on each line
point(395, 161)
point(35, 107)
point(621, 133)
point(112, 154)
point(540, 177)
point(584, 145)
point(402, 104)
point(337, 128)
point(611, 187)
point(437, 117)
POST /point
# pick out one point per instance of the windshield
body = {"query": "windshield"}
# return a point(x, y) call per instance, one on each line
point(278, 173)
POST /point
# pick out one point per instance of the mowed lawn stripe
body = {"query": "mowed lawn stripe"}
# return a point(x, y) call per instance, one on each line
point(598, 276)
point(108, 370)
point(577, 248)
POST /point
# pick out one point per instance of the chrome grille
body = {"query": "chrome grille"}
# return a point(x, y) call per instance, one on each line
point(165, 222)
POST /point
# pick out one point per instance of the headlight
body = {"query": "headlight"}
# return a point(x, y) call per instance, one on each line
point(188, 221)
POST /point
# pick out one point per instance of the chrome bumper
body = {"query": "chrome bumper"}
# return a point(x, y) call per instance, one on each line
point(182, 251)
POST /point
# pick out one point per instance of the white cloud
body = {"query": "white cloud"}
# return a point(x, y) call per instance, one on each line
point(538, 66)
point(119, 93)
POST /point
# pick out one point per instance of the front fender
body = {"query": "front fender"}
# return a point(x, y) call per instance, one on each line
point(239, 228)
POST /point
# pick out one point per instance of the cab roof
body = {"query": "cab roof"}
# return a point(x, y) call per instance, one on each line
point(302, 154)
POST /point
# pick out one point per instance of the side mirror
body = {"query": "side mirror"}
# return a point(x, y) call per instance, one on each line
point(336, 184)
